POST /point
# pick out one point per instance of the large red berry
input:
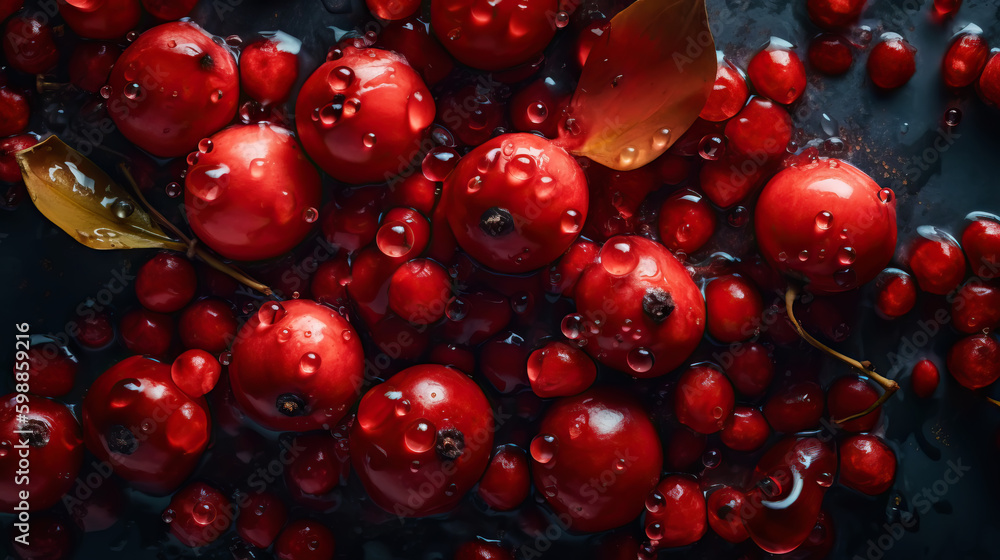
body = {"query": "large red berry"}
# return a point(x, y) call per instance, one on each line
point(496, 35)
point(676, 512)
point(778, 73)
point(250, 192)
point(974, 361)
point(305, 540)
point(892, 62)
point(516, 202)
point(686, 222)
point(173, 87)
point(867, 464)
point(262, 516)
point(208, 324)
point(734, 308)
point(703, 399)
point(151, 432)
point(28, 45)
point(966, 57)
point(560, 370)
point(981, 241)
point(924, 378)
point(47, 434)
point(728, 96)
point(638, 308)
point(596, 458)
point(296, 365)
point(827, 223)
point(269, 68)
point(833, 14)
point(364, 115)
point(101, 19)
point(507, 481)
point(422, 440)
point(166, 283)
point(937, 261)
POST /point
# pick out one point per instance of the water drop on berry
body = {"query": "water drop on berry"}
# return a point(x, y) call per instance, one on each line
point(571, 221)
point(132, 90)
point(340, 78)
point(168, 516)
point(824, 220)
point(846, 256)
point(203, 513)
point(215, 96)
point(618, 258)
point(654, 531)
point(475, 184)
point(438, 163)
point(309, 363)
point(640, 360)
point(456, 309)
point(845, 277)
point(537, 112)
point(804, 255)
point(173, 190)
point(522, 168)
point(106, 92)
point(952, 117)
point(738, 217)
point(284, 335)
point(402, 408)
point(310, 215)
point(369, 140)
point(711, 147)
point(226, 358)
point(123, 208)
point(562, 19)
point(205, 145)
point(420, 436)
point(572, 326)
point(543, 448)
point(885, 196)
point(655, 502)
point(270, 313)
point(711, 459)
point(394, 239)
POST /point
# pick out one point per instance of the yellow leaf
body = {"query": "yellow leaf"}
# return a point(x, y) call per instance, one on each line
point(80, 198)
point(643, 85)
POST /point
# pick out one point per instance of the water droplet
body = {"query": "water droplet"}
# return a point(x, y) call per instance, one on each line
point(284, 335)
point(456, 309)
point(226, 358)
point(475, 184)
point(215, 96)
point(845, 278)
point(654, 531)
point(248, 307)
point(522, 167)
point(123, 208)
point(738, 217)
point(369, 140)
point(270, 313)
point(711, 458)
point(846, 256)
point(572, 326)
point(132, 90)
point(571, 222)
point(620, 465)
point(340, 78)
point(173, 190)
point(205, 145)
point(572, 126)
point(543, 448)
point(661, 138)
point(420, 436)
point(346, 334)
point(310, 215)
point(415, 466)
point(562, 19)
point(804, 255)
point(537, 112)
point(886, 196)
point(203, 513)
point(655, 502)
point(711, 147)
point(454, 34)
point(640, 360)
point(402, 408)
point(628, 155)
point(309, 363)
point(717, 413)
point(618, 258)
point(106, 92)
point(168, 516)
point(395, 239)
point(824, 220)
point(438, 163)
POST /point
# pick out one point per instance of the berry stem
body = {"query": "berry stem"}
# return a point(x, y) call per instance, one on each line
point(864, 367)
point(994, 401)
point(192, 243)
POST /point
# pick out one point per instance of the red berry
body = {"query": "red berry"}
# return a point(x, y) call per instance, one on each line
point(892, 63)
point(745, 430)
point(354, 221)
point(537, 107)
point(103, 19)
point(147, 332)
point(516, 202)
point(404, 234)
point(195, 372)
point(686, 222)
point(52, 368)
point(848, 396)
point(502, 360)
point(560, 370)
point(53, 444)
point(561, 277)
point(167, 10)
point(233, 202)
point(599, 439)
point(830, 54)
point(419, 291)
point(924, 378)
point(305, 540)
point(867, 464)
point(896, 293)
point(761, 129)
point(981, 241)
point(9, 169)
point(208, 324)
point(974, 361)
point(399, 339)
point(371, 271)
point(656, 308)
point(989, 82)
point(482, 550)
point(937, 261)
point(734, 308)
point(750, 369)
point(778, 73)
point(13, 120)
point(49, 539)
point(8, 7)
point(323, 463)
point(453, 356)
point(149, 101)
point(832, 14)
point(28, 45)
point(412, 38)
point(731, 178)
point(615, 199)
point(729, 94)
point(724, 506)
point(135, 417)
point(683, 448)
point(589, 36)
point(795, 407)
point(261, 518)
point(360, 113)
point(827, 223)
point(703, 399)
point(945, 8)
point(198, 514)
point(93, 329)
point(166, 283)
point(422, 440)
point(296, 365)
point(329, 282)
point(676, 512)
point(506, 34)
point(506, 483)
point(393, 9)
point(91, 63)
point(965, 59)
point(975, 307)
point(269, 68)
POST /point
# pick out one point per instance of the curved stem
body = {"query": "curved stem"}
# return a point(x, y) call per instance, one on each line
point(994, 401)
point(864, 367)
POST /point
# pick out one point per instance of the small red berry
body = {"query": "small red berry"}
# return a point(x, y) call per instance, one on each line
point(353, 221)
point(94, 329)
point(750, 369)
point(505, 35)
point(686, 222)
point(507, 481)
point(502, 362)
point(676, 512)
point(937, 261)
point(867, 464)
point(989, 82)
point(53, 368)
point(269, 68)
point(974, 361)
point(945, 8)
point(724, 506)
point(924, 378)
point(9, 169)
point(14, 114)
point(729, 94)
point(778, 73)
point(305, 540)
point(561, 277)
point(195, 372)
point(964, 62)
point(167, 10)
point(981, 241)
point(91, 63)
point(105, 19)
point(261, 518)
point(896, 293)
point(795, 407)
point(419, 291)
point(393, 9)
point(735, 308)
point(329, 282)
point(975, 307)
point(830, 54)
point(208, 324)
point(471, 114)
point(703, 399)
point(198, 514)
point(28, 45)
point(848, 396)
point(892, 62)
point(323, 464)
point(166, 283)
point(560, 370)
point(760, 129)
point(147, 332)
point(833, 14)
point(745, 430)
point(412, 38)
point(730, 179)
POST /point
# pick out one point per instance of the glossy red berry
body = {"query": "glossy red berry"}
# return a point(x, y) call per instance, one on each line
point(734, 308)
point(730, 179)
point(166, 283)
point(981, 242)
point(867, 464)
point(392, 9)
point(91, 63)
point(561, 277)
point(147, 332)
point(47, 433)
point(924, 378)
point(261, 518)
point(778, 73)
point(360, 113)
point(208, 324)
point(724, 506)
point(974, 361)
point(936, 260)
point(412, 38)
point(482, 550)
point(989, 82)
point(329, 282)
point(975, 307)
point(827, 223)
point(93, 330)
point(745, 430)
point(657, 311)
point(198, 514)
point(353, 221)
point(269, 68)
point(419, 291)
point(13, 119)
point(147, 102)
point(750, 369)
point(676, 512)
point(507, 481)
point(704, 399)
point(403, 235)
point(502, 360)
point(560, 370)
point(892, 62)
point(135, 417)
point(729, 94)
point(830, 54)
point(505, 35)
point(167, 10)
point(516, 202)
point(848, 396)
point(686, 222)
point(761, 129)
point(296, 365)
point(795, 407)
point(322, 464)
point(52, 368)
point(305, 540)
point(9, 169)
point(896, 293)
point(833, 14)
point(965, 59)
point(945, 8)
point(195, 372)
point(28, 45)
point(104, 19)
point(589, 444)
point(454, 356)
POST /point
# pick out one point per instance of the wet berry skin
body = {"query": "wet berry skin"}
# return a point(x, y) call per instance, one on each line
point(560, 370)
point(965, 60)
point(164, 58)
point(924, 378)
point(482, 550)
point(147, 332)
point(703, 399)
point(686, 222)
point(268, 70)
point(208, 324)
point(938, 264)
point(833, 14)
point(981, 242)
point(28, 45)
point(795, 407)
point(601, 433)
point(108, 19)
point(891, 63)
point(848, 396)
point(507, 481)
point(422, 440)
point(305, 540)
point(261, 519)
point(167, 10)
point(676, 512)
point(989, 82)
point(166, 283)
point(734, 308)
point(778, 74)
point(198, 514)
point(896, 293)
point(750, 369)
point(91, 63)
point(830, 54)
point(975, 307)
point(974, 361)
point(516, 202)
point(52, 369)
point(729, 94)
point(762, 128)
point(867, 464)
point(745, 430)
point(724, 506)
point(506, 34)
